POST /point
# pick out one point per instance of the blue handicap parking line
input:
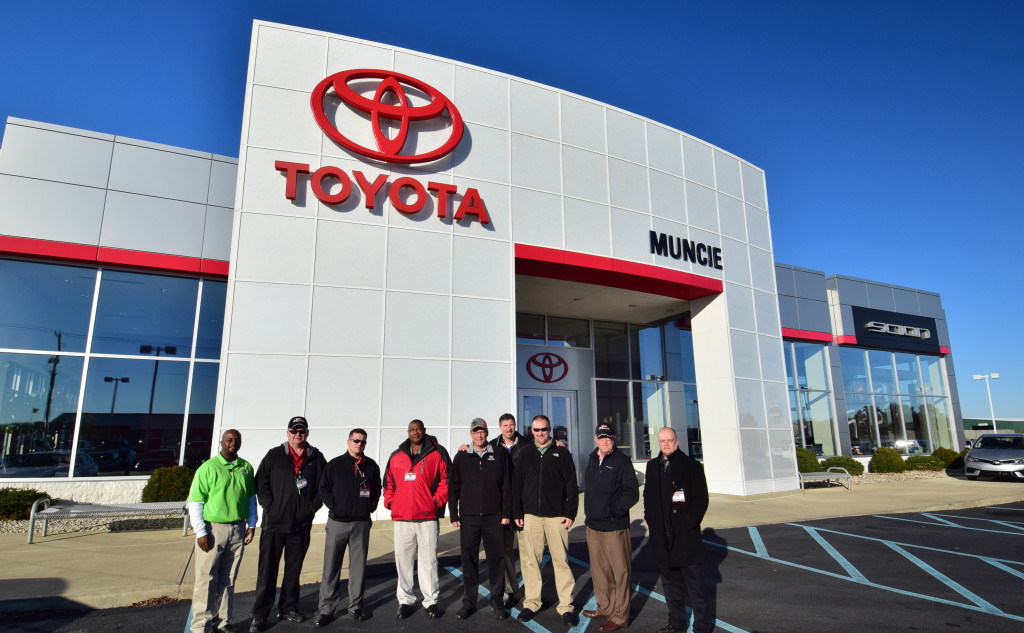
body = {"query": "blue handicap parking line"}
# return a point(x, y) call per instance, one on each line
point(941, 522)
point(976, 603)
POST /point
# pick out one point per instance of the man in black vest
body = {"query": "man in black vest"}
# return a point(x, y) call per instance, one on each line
point(288, 488)
point(675, 500)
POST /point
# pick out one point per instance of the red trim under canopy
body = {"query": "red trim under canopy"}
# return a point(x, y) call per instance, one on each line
point(551, 263)
point(807, 335)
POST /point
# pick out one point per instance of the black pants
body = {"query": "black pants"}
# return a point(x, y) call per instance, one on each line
point(272, 544)
point(682, 584)
point(511, 576)
point(489, 528)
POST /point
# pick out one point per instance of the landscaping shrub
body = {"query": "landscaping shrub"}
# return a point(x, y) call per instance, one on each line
point(924, 462)
point(853, 466)
point(945, 455)
point(887, 460)
point(16, 503)
point(170, 483)
point(958, 463)
point(807, 461)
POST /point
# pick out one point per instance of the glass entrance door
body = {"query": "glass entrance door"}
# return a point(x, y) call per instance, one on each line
point(559, 406)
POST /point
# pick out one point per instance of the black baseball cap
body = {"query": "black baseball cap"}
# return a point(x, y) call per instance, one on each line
point(604, 430)
point(298, 422)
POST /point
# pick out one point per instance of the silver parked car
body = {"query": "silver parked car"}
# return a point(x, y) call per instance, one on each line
point(997, 454)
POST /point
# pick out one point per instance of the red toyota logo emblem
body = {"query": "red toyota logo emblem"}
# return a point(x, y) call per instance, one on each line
point(547, 367)
point(381, 113)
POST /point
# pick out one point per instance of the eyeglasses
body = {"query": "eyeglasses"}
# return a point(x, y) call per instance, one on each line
point(363, 441)
point(543, 429)
point(298, 432)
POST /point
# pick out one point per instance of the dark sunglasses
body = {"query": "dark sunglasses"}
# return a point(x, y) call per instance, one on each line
point(357, 441)
point(543, 429)
point(298, 432)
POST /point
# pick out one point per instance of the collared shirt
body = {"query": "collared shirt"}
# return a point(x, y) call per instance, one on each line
point(297, 459)
point(224, 488)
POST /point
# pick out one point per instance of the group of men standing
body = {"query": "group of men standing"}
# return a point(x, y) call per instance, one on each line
point(508, 489)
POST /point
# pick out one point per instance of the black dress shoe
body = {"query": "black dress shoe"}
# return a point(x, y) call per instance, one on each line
point(499, 612)
point(358, 615)
point(511, 600)
point(434, 612)
point(404, 611)
point(227, 628)
point(463, 613)
point(258, 624)
point(569, 618)
point(322, 619)
point(292, 615)
point(526, 615)
point(669, 629)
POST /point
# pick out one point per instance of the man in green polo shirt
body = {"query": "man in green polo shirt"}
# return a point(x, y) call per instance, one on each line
point(222, 510)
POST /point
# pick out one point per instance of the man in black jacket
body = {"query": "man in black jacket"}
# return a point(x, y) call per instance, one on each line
point(675, 500)
point(480, 503)
point(350, 488)
point(611, 490)
point(288, 488)
point(545, 498)
point(511, 443)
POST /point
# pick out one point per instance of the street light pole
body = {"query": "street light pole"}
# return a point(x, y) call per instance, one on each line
point(115, 380)
point(988, 388)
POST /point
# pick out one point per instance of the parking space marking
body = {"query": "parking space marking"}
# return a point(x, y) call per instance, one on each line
point(834, 553)
point(1017, 525)
point(945, 523)
point(989, 609)
point(1004, 508)
point(985, 605)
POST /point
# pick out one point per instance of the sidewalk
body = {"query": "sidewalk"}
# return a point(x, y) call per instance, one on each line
point(102, 570)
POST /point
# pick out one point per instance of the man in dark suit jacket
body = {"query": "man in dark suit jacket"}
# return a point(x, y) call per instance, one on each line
point(675, 500)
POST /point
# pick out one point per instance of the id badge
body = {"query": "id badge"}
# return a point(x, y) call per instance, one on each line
point(364, 493)
point(410, 476)
point(678, 496)
point(301, 483)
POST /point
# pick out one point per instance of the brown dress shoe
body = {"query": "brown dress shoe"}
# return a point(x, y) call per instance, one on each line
point(594, 614)
point(610, 626)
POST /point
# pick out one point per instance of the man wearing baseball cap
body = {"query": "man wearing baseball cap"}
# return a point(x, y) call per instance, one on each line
point(612, 489)
point(288, 488)
point(480, 503)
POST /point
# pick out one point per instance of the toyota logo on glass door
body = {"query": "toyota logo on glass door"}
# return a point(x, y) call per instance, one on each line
point(409, 120)
point(547, 367)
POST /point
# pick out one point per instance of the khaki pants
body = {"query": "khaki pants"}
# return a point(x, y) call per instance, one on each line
point(611, 568)
point(416, 543)
point(536, 531)
point(216, 571)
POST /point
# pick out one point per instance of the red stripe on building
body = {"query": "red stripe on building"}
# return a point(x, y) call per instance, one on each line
point(846, 339)
point(807, 335)
point(83, 253)
point(550, 263)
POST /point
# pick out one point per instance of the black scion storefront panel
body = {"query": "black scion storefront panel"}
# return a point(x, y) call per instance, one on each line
point(896, 331)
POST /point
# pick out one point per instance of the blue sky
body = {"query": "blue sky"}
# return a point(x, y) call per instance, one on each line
point(890, 132)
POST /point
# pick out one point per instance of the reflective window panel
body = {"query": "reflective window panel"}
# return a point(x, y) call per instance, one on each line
point(613, 409)
point(860, 415)
point(649, 416)
point(199, 437)
point(529, 328)
point(855, 370)
point(933, 376)
point(211, 319)
point(563, 332)
point(38, 403)
point(691, 438)
point(679, 353)
point(940, 418)
point(916, 425)
point(132, 414)
point(138, 311)
point(883, 378)
point(647, 360)
point(907, 376)
point(611, 350)
point(811, 366)
point(890, 426)
point(45, 306)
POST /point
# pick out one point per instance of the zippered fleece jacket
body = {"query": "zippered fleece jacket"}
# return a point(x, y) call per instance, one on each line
point(480, 485)
point(424, 493)
point(611, 490)
point(341, 484)
point(545, 485)
point(286, 509)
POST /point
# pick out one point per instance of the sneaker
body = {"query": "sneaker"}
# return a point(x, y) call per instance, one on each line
point(404, 611)
point(463, 613)
point(434, 612)
point(569, 618)
point(526, 615)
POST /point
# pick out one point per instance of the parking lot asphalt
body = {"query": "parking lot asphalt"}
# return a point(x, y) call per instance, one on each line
point(778, 563)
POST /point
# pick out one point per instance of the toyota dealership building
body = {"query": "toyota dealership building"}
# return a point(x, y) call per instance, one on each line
point(404, 236)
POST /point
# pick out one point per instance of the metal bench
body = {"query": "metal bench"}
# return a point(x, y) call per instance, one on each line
point(837, 473)
point(101, 511)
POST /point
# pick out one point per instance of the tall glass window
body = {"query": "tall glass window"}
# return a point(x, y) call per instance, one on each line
point(810, 398)
point(137, 370)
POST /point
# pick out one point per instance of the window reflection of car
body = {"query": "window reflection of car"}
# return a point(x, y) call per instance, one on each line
point(49, 464)
point(996, 455)
point(157, 459)
point(911, 447)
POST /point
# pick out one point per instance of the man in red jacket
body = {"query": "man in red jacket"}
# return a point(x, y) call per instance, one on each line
point(416, 491)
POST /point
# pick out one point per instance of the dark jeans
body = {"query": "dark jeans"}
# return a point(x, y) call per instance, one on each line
point(474, 528)
point(272, 544)
point(680, 584)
